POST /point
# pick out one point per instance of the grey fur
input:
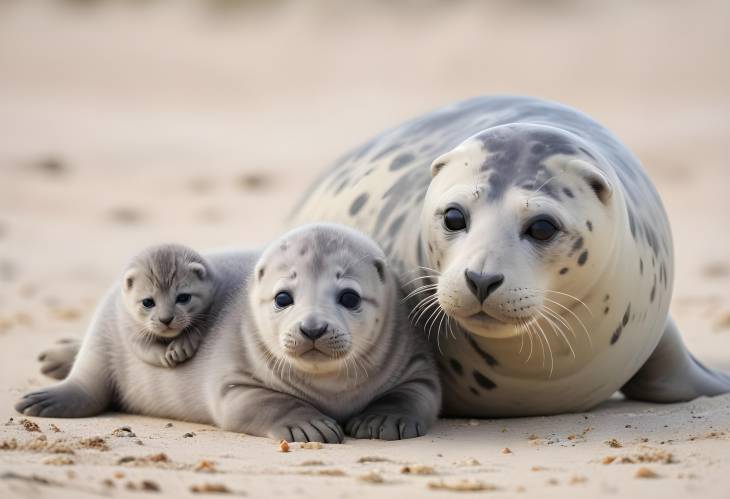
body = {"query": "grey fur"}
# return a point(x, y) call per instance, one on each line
point(239, 379)
point(162, 273)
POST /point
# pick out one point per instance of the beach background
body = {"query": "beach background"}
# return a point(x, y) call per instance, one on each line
point(127, 123)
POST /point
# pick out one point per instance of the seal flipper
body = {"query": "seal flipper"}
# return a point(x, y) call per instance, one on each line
point(56, 362)
point(672, 374)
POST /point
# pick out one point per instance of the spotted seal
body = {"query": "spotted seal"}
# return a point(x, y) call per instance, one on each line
point(535, 250)
point(307, 341)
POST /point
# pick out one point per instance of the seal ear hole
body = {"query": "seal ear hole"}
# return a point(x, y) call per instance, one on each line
point(129, 279)
point(600, 187)
point(436, 167)
point(260, 273)
point(595, 179)
point(198, 269)
point(380, 267)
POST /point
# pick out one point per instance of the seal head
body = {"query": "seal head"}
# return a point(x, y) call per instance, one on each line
point(319, 296)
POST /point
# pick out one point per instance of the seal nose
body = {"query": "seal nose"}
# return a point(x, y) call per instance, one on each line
point(482, 285)
point(312, 329)
point(167, 320)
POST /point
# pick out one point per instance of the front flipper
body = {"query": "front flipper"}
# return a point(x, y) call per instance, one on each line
point(259, 411)
point(56, 362)
point(376, 424)
point(64, 400)
point(672, 374)
point(183, 347)
point(405, 412)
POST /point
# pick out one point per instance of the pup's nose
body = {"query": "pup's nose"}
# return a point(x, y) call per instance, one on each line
point(313, 330)
point(482, 285)
point(167, 320)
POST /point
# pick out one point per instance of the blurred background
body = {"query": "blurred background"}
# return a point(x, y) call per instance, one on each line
point(125, 123)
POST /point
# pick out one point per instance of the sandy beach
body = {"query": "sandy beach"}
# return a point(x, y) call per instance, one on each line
point(130, 123)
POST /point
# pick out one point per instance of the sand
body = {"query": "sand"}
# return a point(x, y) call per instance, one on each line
point(129, 123)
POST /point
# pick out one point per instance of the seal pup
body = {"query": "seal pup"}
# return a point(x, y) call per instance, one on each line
point(536, 249)
point(166, 291)
point(307, 337)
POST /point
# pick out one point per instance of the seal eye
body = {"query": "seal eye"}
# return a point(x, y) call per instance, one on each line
point(283, 299)
point(454, 219)
point(183, 298)
point(349, 299)
point(541, 230)
point(148, 303)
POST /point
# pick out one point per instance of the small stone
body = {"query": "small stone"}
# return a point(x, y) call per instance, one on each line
point(210, 488)
point(189, 434)
point(613, 443)
point(283, 446)
point(418, 469)
point(205, 466)
point(506, 450)
point(123, 432)
point(371, 477)
point(462, 486)
point(645, 473)
point(30, 425)
point(311, 445)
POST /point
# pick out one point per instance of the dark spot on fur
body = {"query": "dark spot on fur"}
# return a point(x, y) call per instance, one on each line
point(641, 266)
point(605, 310)
point(262, 270)
point(653, 292)
point(568, 192)
point(632, 222)
point(589, 225)
point(483, 381)
point(473, 390)
point(625, 320)
point(605, 298)
point(380, 267)
point(396, 225)
point(564, 270)
point(491, 361)
point(582, 258)
point(578, 244)
point(400, 161)
point(358, 203)
point(456, 366)
point(616, 335)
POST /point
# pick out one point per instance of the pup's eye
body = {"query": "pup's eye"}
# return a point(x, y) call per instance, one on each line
point(454, 219)
point(541, 230)
point(283, 299)
point(148, 303)
point(183, 298)
point(349, 299)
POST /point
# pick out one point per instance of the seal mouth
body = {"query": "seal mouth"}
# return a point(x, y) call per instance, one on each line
point(314, 354)
point(485, 319)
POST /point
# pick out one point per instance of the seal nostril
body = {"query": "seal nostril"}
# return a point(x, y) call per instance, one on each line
point(482, 284)
point(313, 331)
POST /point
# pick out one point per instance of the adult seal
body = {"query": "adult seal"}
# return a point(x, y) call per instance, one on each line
point(535, 251)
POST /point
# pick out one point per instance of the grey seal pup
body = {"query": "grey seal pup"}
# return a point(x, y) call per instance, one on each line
point(535, 249)
point(306, 341)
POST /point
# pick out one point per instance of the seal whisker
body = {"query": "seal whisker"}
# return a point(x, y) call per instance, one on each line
point(555, 327)
point(550, 349)
point(574, 315)
point(421, 289)
point(558, 317)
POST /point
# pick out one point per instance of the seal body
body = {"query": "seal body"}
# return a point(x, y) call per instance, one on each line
point(535, 251)
point(338, 353)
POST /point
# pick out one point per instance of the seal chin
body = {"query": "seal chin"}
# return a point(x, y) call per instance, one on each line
point(488, 326)
point(315, 361)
